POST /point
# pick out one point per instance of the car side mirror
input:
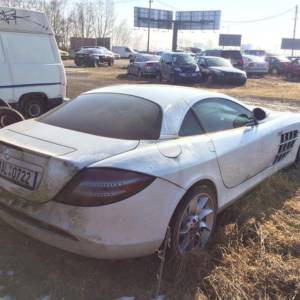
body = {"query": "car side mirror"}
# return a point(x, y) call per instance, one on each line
point(259, 114)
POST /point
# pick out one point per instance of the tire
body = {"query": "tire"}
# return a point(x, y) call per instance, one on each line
point(4, 104)
point(210, 80)
point(192, 225)
point(32, 108)
point(274, 71)
point(9, 116)
point(111, 62)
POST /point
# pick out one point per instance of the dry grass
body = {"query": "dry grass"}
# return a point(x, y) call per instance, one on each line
point(255, 253)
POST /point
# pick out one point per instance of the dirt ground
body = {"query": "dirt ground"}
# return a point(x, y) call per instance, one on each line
point(254, 255)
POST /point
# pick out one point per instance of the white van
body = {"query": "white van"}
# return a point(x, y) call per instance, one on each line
point(32, 76)
point(124, 52)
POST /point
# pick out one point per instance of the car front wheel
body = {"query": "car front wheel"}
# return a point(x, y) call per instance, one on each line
point(194, 221)
point(33, 108)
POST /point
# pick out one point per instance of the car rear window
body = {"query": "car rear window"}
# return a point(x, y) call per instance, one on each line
point(232, 54)
point(111, 115)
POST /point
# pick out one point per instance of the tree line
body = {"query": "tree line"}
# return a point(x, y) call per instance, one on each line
point(81, 18)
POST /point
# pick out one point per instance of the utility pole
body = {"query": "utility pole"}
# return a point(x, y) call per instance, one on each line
point(149, 21)
point(295, 28)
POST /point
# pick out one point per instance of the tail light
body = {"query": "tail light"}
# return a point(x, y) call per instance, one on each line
point(102, 186)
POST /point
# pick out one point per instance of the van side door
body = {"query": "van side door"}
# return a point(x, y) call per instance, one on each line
point(6, 85)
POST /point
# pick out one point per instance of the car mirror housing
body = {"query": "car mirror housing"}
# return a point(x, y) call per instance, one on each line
point(259, 114)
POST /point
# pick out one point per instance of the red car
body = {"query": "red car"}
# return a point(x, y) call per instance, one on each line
point(292, 70)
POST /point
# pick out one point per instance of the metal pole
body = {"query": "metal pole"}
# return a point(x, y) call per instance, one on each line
point(295, 28)
point(149, 14)
point(175, 36)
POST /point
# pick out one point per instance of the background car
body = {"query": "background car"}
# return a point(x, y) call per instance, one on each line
point(93, 57)
point(106, 174)
point(63, 54)
point(255, 52)
point(124, 52)
point(178, 67)
point(235, 56)
point(144, 65)
point(277, 64)
point(292, 70)
point(219, 70)
point(255, 65)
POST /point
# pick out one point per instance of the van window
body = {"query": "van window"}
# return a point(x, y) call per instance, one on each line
point(1, 53)
point(29, 48)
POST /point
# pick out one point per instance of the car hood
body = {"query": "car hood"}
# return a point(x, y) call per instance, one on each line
point(227, 69)
point(54, 153)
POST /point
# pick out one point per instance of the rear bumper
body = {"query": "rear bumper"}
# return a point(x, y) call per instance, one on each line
point(130, 228)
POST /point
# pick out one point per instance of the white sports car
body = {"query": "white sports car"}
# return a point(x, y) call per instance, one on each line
point(106, 174)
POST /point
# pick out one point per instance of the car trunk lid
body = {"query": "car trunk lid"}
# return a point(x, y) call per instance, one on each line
point(37, 161)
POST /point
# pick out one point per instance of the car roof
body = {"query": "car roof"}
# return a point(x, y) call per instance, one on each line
point(174, 101)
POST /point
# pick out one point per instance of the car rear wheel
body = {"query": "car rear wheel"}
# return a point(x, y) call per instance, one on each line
point(111, 62)
point(9, 116)
point(33, 108)
point(194, 221)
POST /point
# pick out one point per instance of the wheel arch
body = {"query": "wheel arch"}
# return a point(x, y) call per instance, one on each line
point(207, 182)
point(43, 96)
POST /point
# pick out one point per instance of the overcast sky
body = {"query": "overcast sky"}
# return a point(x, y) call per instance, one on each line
point(265, 34)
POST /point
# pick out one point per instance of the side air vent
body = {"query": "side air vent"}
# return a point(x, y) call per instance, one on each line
point(287, 141)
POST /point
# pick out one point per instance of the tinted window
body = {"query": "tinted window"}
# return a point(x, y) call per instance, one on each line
point(232, 54)
point(190, 125)
point(110, 115)
point(221, 114)
point(218, 62)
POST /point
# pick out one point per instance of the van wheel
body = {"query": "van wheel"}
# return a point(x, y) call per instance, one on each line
point(33, 108)
point(193, 222)
point(9, 116)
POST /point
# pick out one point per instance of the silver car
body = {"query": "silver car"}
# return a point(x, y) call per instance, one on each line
point(255, 65)
point(144, 64)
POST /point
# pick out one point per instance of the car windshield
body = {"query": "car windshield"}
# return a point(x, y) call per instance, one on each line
point(182, 59)
point(117, 116)
point(218, 62)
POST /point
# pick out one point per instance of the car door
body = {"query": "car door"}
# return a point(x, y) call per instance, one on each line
point(242, 151)
point(203, 66)
point(6, 85)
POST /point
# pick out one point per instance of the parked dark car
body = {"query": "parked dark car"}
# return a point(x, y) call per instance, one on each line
point(219, 70)
point(277, 64)
point(178, 67)
point(144, 65)
point(292, 70)
point(93, 57)
point(235, 56)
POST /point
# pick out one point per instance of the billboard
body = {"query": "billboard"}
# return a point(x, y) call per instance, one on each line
point(290, 44)
point(230, 40)
point(198, 20)
point(159, 19)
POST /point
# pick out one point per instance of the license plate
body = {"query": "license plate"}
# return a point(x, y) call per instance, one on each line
point(18, 175)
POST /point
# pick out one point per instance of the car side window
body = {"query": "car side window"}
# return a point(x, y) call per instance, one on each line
point(190, 125)
point(217, 114)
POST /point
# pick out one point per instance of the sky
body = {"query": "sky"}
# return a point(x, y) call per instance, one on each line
point(257, 35)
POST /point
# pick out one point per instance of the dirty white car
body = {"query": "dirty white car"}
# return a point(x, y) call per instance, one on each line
point(107, 173)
